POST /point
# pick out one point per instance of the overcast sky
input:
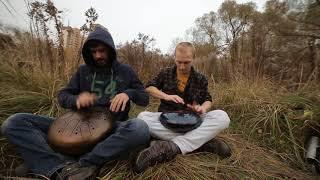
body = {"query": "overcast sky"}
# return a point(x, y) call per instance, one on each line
point(164, 20)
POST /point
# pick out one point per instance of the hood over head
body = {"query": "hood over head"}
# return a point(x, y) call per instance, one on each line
point(100, 34)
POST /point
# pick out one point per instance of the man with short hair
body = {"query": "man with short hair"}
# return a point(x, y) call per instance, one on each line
point(182, 88)
point(102, 81)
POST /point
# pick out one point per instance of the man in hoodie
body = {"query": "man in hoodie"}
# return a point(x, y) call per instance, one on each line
point(101, 81)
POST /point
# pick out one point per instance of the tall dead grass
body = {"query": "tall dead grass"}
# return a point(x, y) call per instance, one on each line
point(265, 133)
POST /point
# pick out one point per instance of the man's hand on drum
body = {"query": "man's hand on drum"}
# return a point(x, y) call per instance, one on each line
point(195, 107)
point(85, 99)
point(119, 101)
point(175, 98)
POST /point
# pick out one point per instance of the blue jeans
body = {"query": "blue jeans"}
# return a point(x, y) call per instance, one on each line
point(29, 133)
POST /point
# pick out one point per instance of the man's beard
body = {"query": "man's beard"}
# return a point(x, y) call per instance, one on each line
point(102, 63)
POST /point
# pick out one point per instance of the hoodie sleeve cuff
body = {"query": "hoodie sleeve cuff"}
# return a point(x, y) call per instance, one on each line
point(73, 102)
point(129, 93)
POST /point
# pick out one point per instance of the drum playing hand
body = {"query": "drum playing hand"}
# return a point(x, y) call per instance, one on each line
point(175, 98)
point(119, 101)
point(85, 99)
point(196, 108)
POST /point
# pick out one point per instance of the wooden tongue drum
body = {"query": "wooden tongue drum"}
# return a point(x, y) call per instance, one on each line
point(77, 132)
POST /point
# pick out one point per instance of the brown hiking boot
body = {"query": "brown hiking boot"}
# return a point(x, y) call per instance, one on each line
point(75, 171)
point(160, 151)
point(133, 155)
point(216, 146)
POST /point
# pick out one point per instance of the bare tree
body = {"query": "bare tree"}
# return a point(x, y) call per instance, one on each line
point(91, 17)
point(236, 18)
point(43, 14)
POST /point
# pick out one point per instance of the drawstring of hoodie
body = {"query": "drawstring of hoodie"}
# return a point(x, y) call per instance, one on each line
point(110, 89)
point(93, 81)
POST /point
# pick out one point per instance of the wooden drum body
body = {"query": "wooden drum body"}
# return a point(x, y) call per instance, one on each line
point(77, 132)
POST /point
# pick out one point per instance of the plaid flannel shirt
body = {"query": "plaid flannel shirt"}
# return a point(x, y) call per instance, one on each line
point(195, 90)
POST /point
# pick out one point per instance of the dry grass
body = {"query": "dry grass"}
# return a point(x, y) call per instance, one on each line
point(269, 114)
point(265, 133)
point(275, 152)
point(249, 161)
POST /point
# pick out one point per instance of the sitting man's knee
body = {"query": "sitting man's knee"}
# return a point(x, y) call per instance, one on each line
point(139, 124)
point(142, 115)
point(4, 126)
point(140, 128)
point(221, 116)
point(10, 122)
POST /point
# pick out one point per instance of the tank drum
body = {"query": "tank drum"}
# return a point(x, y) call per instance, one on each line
point(180, 121)
point(77, 132)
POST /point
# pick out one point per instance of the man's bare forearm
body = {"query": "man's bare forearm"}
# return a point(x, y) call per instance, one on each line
point(155, 92)
point(207, 105)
